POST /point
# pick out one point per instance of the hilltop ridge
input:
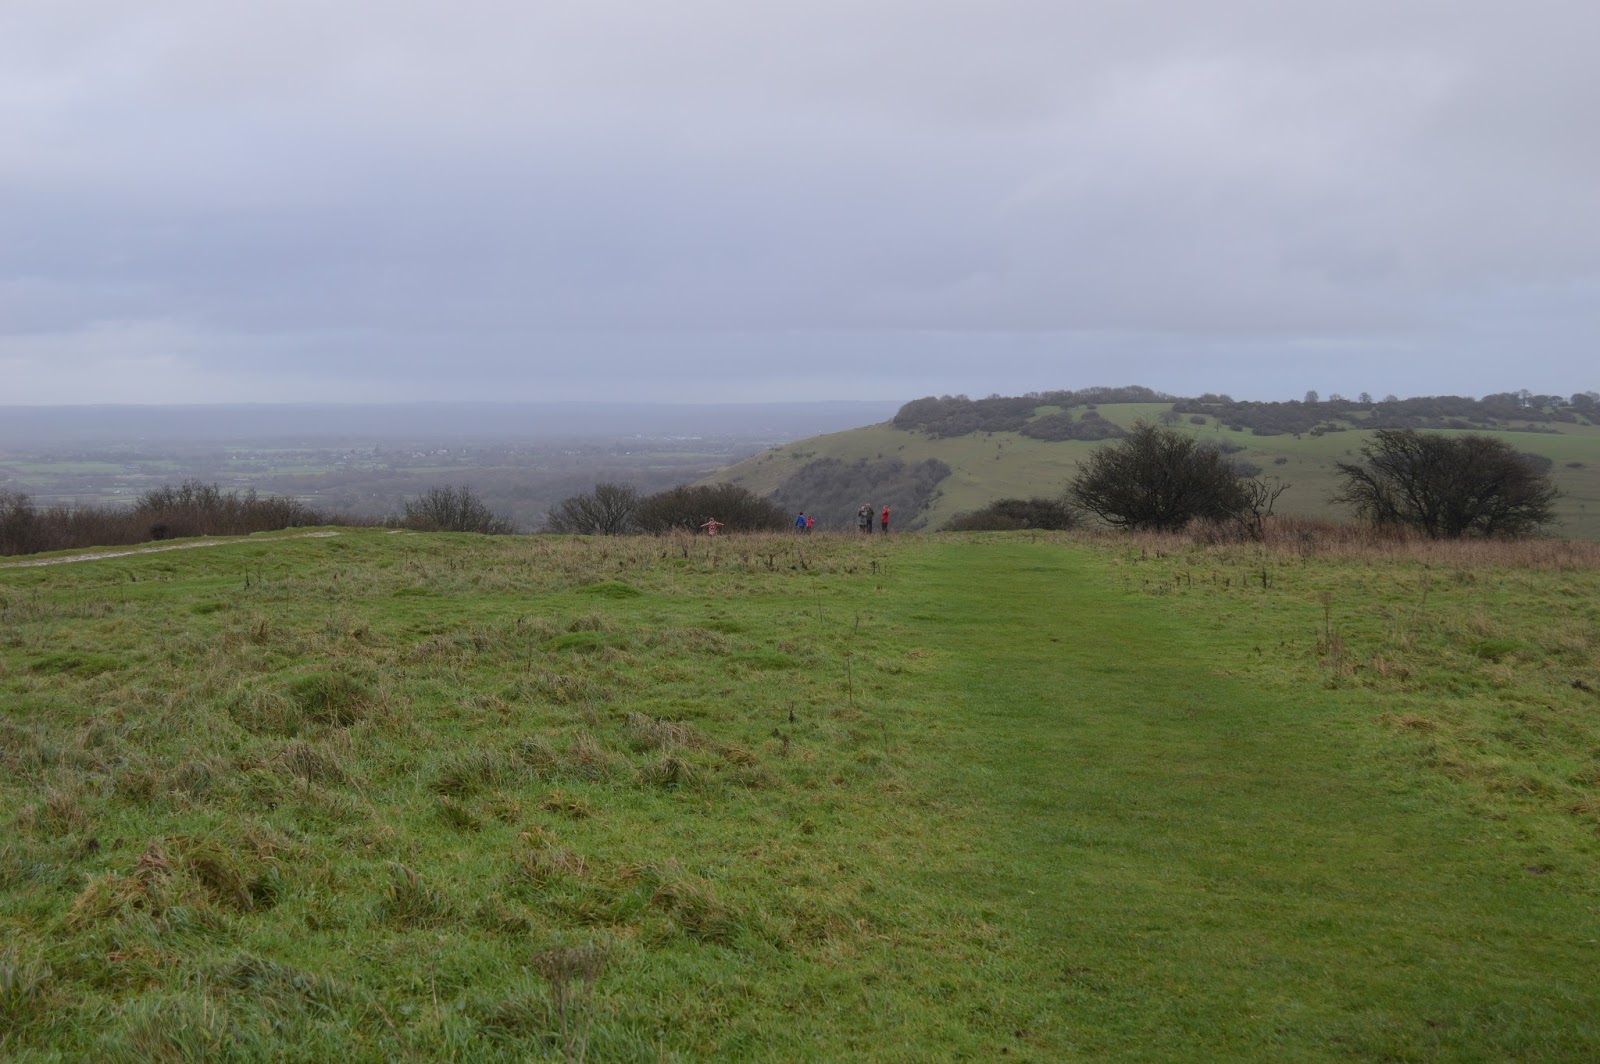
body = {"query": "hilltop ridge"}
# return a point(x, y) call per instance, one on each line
point(942, 456)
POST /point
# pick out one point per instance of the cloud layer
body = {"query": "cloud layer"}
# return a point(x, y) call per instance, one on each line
point(384, 199)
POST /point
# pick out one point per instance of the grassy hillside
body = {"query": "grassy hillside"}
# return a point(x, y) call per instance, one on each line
point(387, 796)
point(988, 466)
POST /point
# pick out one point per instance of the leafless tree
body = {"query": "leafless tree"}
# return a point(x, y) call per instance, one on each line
point(1159, 479)
point(1447, 486)
point(608, 510)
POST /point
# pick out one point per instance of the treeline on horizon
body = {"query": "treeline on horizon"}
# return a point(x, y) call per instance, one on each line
point(190, 509)
point(959, 415)
point(195, 508)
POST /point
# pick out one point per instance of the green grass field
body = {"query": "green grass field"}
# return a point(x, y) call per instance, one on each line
point(384, 796)
point(989, 466)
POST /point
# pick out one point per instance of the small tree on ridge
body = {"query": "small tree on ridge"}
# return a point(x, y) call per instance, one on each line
point(1158, 479)
point(1447, 487)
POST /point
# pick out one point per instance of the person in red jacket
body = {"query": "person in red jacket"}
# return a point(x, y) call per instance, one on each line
point(712, 526)
point(884, 517)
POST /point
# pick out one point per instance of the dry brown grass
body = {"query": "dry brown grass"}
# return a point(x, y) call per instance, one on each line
point(1310, 537)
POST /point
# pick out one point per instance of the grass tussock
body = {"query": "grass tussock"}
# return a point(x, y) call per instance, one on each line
point(337, 698)
point(479, 770)
point(410, 901)
point(24, 991)
point(308, 762)
point(691, 905)
point(175, 1029)
point(654, 733)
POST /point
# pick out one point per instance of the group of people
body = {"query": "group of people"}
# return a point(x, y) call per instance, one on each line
point(864, 520)
point(804, 522)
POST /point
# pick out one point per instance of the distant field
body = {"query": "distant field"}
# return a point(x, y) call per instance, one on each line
point(369, 478)
point(901, 798)
point(989, 466)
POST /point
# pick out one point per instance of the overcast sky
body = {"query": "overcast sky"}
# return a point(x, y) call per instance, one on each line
point(370, 200)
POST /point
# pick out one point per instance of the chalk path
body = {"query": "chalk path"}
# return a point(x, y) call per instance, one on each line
point(95, 556)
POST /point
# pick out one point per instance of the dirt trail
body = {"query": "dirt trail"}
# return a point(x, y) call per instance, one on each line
point(99, 554)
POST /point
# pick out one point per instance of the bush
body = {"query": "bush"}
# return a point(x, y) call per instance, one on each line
point(1446, 487)
point(20, 531)
point(1091, 426)
point(1004, 515)
point(608, 510)
point(191, 509)
point(829, 486)
point(444, 509)
point(686, 508)
point(1159, 479)
point(194, 508)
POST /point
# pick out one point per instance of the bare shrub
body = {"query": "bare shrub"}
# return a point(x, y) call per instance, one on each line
point(608, 510)
point(458, 509)
point(1447, 487)
point(192, 508)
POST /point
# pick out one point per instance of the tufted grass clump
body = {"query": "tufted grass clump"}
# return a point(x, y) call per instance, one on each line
point(24, 991)
point(410, 901)
point(335, 698)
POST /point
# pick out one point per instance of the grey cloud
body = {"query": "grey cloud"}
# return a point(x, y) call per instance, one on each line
point(900, 196)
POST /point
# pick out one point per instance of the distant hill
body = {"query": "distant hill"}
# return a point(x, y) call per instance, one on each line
point(941, 456)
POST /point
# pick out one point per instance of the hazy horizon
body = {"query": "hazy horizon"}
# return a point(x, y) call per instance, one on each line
point(483, 420)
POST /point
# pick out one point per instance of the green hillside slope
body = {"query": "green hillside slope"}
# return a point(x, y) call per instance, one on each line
point(384, 796)
point(989, 465)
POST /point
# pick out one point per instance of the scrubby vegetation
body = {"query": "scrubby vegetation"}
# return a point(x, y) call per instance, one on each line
point(1005, 515)
point(957, 415)
point(835, 489)
point(190, 509)
point(618, 509)
point(688, 506)
point(1315, 416)
point(1063, 426)
point(454, 509)
point(194, 508)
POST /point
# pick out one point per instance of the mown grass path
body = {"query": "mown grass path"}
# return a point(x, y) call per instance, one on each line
point(1188, 865)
